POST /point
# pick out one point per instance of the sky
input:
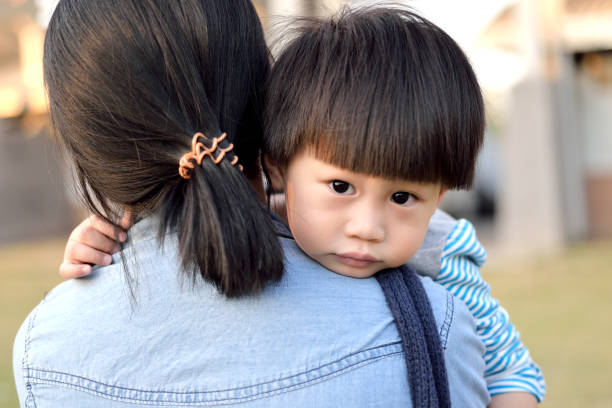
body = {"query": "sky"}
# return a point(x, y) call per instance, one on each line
point(465, 20)
point(45, 9)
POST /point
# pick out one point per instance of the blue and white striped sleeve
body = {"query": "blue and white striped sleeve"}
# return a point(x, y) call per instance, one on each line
point(509, 367)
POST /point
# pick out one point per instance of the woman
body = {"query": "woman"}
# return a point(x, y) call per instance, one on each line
point(139, 90)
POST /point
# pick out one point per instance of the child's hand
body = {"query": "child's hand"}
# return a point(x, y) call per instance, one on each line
point(513, 400)
point(92, 242)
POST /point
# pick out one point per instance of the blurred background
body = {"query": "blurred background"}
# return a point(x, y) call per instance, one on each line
point(541, 203)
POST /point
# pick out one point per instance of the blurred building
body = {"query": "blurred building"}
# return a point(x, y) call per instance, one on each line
point(33, 198)
point(556, 59)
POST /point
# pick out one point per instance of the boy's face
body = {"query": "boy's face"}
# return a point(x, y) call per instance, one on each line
point(352, 223)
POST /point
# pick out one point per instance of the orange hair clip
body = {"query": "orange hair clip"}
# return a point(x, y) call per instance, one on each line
point(199, 151)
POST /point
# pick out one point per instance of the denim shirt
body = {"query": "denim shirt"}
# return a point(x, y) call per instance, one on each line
point(315, 339)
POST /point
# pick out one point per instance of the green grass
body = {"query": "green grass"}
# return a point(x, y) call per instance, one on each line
point(561, 305)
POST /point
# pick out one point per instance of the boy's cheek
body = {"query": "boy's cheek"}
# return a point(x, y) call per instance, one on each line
point(405, 244)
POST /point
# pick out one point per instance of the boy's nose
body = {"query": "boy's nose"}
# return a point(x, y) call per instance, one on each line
point(364, 227)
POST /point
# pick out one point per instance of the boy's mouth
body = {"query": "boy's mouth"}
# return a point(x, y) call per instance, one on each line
point(356, 259)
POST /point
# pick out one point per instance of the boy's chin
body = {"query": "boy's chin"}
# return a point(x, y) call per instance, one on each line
point(357, 274)
point(351, 272)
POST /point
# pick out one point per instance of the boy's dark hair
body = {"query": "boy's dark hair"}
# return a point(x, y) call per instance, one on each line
point(130, 83)
point(380, 91)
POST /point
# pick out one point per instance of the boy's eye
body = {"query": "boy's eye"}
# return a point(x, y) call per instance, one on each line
point(402, 197)
point(341, 187)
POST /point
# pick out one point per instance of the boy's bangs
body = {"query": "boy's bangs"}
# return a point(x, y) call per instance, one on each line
point(384, 136)
point(377, 91)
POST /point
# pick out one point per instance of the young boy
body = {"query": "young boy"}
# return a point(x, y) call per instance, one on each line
point(370, 117)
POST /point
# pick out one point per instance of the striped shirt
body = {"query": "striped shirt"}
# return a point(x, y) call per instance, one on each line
point(509, 366)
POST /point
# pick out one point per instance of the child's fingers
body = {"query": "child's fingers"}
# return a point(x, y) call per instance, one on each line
point(87, 235)
point(101, 226)
point(127, 221)
point(78, 253)
point(91, 243)
point(70, 270)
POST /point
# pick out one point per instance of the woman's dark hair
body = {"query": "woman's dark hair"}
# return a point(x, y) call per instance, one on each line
point(377, 90)
point(130, 82)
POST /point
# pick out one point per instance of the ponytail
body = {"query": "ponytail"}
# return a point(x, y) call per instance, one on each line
point(224, 232)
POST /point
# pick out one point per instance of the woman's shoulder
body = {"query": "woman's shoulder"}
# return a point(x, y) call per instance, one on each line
point(314, 330)
point(463, 350)
point(302, 273)
point(311, 331)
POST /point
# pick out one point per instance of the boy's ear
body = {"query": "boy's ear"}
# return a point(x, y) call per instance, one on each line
point(443, 191)
point(275, 174)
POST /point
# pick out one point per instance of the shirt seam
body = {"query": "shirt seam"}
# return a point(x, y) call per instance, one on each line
point(207, 397)
point(30, 401)
point(448, 320)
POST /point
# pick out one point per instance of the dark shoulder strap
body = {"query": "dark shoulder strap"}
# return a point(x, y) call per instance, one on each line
point(416, 325)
